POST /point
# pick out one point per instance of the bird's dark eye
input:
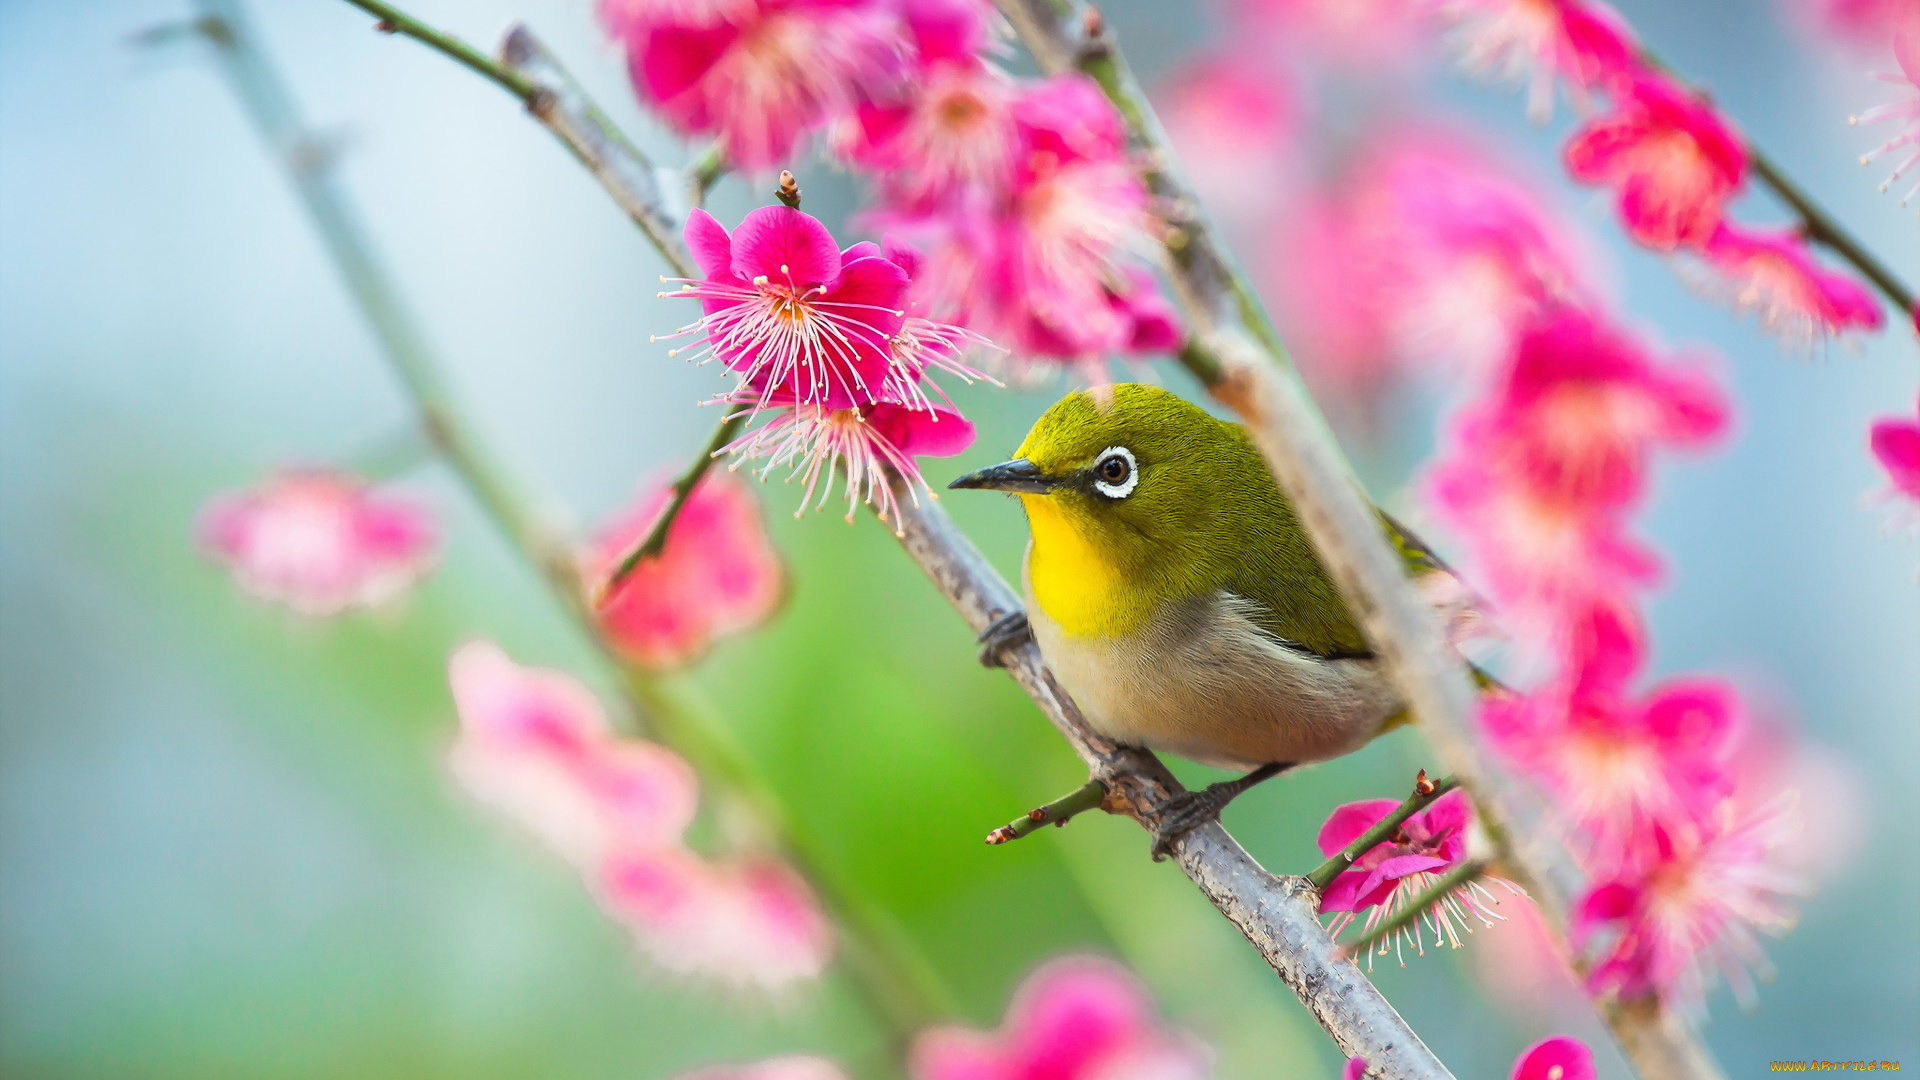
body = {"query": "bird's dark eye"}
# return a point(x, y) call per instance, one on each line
point(1115, 474)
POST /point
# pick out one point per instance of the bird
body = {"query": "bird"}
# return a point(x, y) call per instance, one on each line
point(1173, 592)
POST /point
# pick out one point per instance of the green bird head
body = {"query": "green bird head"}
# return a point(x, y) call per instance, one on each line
point(1136, 497)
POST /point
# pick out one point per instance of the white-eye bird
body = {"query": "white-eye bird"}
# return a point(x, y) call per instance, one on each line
point(1175, 595)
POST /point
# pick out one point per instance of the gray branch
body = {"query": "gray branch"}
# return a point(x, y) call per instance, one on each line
point(1255, 379)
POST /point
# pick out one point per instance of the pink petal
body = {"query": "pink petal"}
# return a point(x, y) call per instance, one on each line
point(1896, 444)
point(1356, 1069)
point(951, 1053)
point(1073, 1012)
point(1400, 866)
point(1347, 823)
point(1697, 717)
point(1559, 1058)
point(936, 432)
point(1344, 893)
point(707, 239)
point(787, 247)
point(872, 290)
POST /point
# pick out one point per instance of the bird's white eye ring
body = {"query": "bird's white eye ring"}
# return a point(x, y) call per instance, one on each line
point(1115, 473)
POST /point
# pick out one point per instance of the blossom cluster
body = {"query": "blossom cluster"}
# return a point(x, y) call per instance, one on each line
point(1543, 471)
point(535, 745)
point(1672, 161)
point(1022, 192)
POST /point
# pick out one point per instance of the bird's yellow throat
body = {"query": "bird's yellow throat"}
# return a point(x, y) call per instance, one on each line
point(1074, 582)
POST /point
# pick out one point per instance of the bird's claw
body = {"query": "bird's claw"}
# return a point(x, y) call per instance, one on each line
point(1009, 631)
point(1183, 814)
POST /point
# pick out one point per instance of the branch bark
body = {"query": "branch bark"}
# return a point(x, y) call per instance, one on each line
point(1278, 915)
point(1255, 379)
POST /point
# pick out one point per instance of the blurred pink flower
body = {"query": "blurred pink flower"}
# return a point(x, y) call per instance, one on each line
point(1693, 911)
point(717, 575)
point(798, 318)
point(1905, 112)
point(1041, 268)
point(319, 541)
point(1559, 1058)
point(1525, 969)
point(1621, 768)
point(1866, 24)
point(535, 745)
point(1672, 161)
point(1539, 42)
point(751, 923)
point(757, 74)
point(1394, 872)
point(1582, 406)
point(1377, 36)
point(1076, 1018)
point(1231, 123)
point(793, 1067)
point(1895, 441)
point(1774, 274)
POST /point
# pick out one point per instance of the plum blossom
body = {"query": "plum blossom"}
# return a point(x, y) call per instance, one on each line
point(1387, 877)
point(1773, 273)
point(1859, 23)
point(1625, 767)
point(1905, 113)
point(756, 74)
point(1582, 405)
point(535, 744)
point(1561, 1057)
point(1672, 161)
point(1540, 42)
point(750, 923)
point(1356, 1069)
point(1076, 1018)
point(717, 574)
point(319, 541)
point(785, 307)
point(1370, 35)
point(1693, 911)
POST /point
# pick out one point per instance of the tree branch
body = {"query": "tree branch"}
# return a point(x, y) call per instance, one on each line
point(1279, 915)
point(1255, 379)
point(894, 982)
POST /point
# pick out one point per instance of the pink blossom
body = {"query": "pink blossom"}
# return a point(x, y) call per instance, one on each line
point(319, 541)
point(1356, 1069)
point(1539, 42)
point(535, 745)
point(1394, 872)
point(1583, 404)
point(1076, 1018)
point(1905, 113)
point(1041, 268)
point(1895, 441)
point(757, 74)
point(1371, 35)
point(1693, 911)
point(1672, 161)
point(1622, 767)
point(1774, 274)
point(751, 923)
point(1559, 1058)
point(1866, 24)
point(1231, 123)
point(793, 314)
point(717, 575)
point(793, 1067)
point(870, 445)
point(946, 135)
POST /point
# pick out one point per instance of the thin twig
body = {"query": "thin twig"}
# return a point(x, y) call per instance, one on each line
point(1087, 796)
point(1255, 379)
point(1279, 915)
point(1416, 907)
point(656, 538)
point(395, 21)
point(892, 980)
point(706, 171)
point(1425, 793)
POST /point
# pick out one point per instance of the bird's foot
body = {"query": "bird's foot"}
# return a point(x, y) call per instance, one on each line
point(1185, 813)
point(1009, 631)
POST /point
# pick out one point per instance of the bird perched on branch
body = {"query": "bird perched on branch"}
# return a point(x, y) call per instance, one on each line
point(1175, 595)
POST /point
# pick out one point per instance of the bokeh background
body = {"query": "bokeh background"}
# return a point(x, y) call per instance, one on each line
point(227, 843)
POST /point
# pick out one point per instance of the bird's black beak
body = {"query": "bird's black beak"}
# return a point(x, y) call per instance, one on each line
point(1018, 475)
